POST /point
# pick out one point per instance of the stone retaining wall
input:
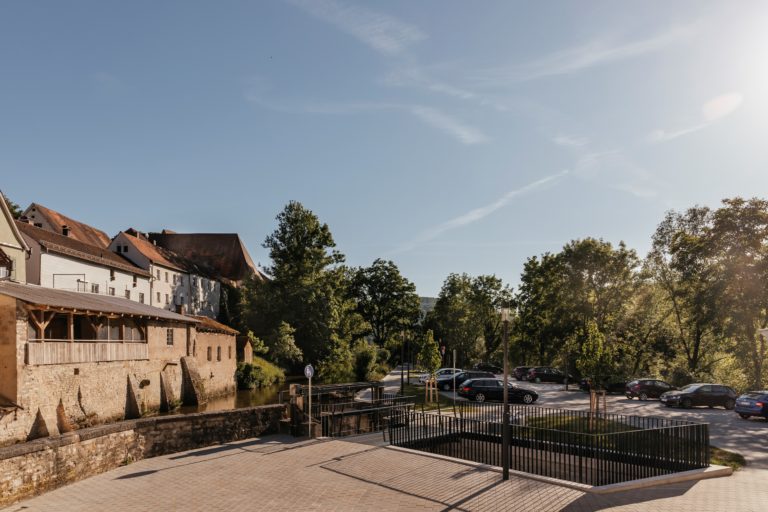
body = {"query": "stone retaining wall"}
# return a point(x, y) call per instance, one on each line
point(31, 468)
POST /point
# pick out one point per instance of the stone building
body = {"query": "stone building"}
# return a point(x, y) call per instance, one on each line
point(70, 359)
point(176, 283)
point(59, 261)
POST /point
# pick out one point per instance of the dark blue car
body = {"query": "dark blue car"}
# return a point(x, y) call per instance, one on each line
point(752, 403)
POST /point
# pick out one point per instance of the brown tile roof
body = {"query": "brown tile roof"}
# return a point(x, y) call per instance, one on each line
point(77, 230)
point(104, 304)
point(162, 256)
point(68, 246)
point(222, 253)
point(211, 325)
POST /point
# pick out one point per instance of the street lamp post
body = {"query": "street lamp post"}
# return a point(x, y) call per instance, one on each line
point(402, 362)
point(505, 431)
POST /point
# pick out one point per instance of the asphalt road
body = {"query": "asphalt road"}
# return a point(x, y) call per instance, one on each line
point(726, 429)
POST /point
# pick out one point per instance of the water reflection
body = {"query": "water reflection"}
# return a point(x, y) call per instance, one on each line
point(241, 399)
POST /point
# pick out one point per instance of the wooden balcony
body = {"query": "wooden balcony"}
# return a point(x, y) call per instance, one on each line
point(64, 352)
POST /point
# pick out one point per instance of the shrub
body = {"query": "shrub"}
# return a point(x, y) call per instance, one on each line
point(258, 373)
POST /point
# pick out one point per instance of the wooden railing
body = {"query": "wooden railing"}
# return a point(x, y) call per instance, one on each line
point(63, 352)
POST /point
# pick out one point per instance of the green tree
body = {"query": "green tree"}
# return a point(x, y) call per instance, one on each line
point(282, 346)
point(385, 299)
point(15, 209)
point(597, 356)
point(429, 356)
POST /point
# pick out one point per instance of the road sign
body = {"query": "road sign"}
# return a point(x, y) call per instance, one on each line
point(309, 372)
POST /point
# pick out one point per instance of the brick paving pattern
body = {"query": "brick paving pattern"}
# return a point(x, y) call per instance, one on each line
point(280, 474)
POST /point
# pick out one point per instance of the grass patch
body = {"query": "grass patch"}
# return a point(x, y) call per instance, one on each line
point(419, 393)
point(578, 424)
point(258, 373)
point(722, 457)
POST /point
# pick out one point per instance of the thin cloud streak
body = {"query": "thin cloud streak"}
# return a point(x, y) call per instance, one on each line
point(382, 32)
point(478, 214)
point(430, 116)
point(712, 111)
point(585, 56)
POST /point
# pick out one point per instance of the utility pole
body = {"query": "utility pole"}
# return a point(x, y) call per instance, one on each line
point(505, 432)
point(402, 362)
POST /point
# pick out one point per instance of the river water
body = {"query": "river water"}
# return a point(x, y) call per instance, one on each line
point(242, 398)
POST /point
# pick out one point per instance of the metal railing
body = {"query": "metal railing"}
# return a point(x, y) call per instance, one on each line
point(568, 445)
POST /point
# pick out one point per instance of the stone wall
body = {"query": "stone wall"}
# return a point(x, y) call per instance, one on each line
point(35, 467)
point(217, 373)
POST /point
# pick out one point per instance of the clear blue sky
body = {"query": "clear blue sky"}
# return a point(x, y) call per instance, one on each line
point(447, 136)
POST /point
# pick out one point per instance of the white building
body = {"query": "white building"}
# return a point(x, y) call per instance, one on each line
point(176, 283)
point(59, 261)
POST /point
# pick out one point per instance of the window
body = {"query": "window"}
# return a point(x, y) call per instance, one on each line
point(125, 249)
point(119, 249)
point(174, 278)
point(94, 288)
point(111, 291)
point(111, 275)
point(169, 336)
point(167, 299)
point(229, 351)
point(141, 298)
point(158, 297)
point(209, 353)
point(128, 294)
point(218, 353)
point(166, 277)
point(135, 281)
point(158, 274)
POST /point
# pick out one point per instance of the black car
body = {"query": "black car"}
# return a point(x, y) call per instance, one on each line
point(607, 384)
point(647, 388)
point(488, 367)
point(481, 390)
point(521, 372)
point(752, 403)
point(546, 374)
point(446, 383)
point(694, 395)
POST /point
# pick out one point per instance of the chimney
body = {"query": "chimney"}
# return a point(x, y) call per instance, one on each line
point(180, 309)
point(65, 230)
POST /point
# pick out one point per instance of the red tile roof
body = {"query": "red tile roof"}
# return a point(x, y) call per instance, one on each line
point(222, 253)
point(211, 325)
point(68, 246)
point(77, 230)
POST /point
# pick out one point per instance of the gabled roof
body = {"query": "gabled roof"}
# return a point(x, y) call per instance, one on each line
point(91, 302)
point(210, 325)
point(222, 253)
point(162, 256)
point(6, 212)
point(68, 246)
point(77, 230)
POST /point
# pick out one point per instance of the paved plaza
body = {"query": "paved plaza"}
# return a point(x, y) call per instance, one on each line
point(279, 473)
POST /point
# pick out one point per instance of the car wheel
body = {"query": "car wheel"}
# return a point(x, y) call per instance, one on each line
point(446, 387)
point(537, 380)
point(527, 398)
point(479, 397)
point(744, 416)
point(643, 397)
point(730, 404)
point(686, 403)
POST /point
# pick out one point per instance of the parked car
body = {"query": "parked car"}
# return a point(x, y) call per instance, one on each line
point(442, 372)
point(607, 384)
point(547, 374)
point(488, 367)
point(481, 390)
point(694, 395)
point(446, 383)
point(521, 372)
point(752, 403)
point(647, 388)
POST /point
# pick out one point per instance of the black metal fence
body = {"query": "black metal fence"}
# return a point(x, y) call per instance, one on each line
point(577, 446)
point(360, 417)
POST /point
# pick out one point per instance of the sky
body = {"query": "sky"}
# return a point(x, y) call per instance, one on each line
point(445, 136)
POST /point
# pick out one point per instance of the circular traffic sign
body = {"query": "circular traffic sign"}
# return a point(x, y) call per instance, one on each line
point(309, 372)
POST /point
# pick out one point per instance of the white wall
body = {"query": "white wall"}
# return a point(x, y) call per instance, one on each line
point(61, 272)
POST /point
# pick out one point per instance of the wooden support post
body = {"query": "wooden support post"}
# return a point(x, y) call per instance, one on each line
point(71, 327)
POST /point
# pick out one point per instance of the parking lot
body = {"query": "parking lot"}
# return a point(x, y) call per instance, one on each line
point(727, 429)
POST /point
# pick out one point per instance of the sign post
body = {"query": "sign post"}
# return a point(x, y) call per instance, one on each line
point(309, 372)
point(505, 420)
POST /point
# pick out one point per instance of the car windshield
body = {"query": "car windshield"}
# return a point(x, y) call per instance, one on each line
point(690, 387)
point(757, 395)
